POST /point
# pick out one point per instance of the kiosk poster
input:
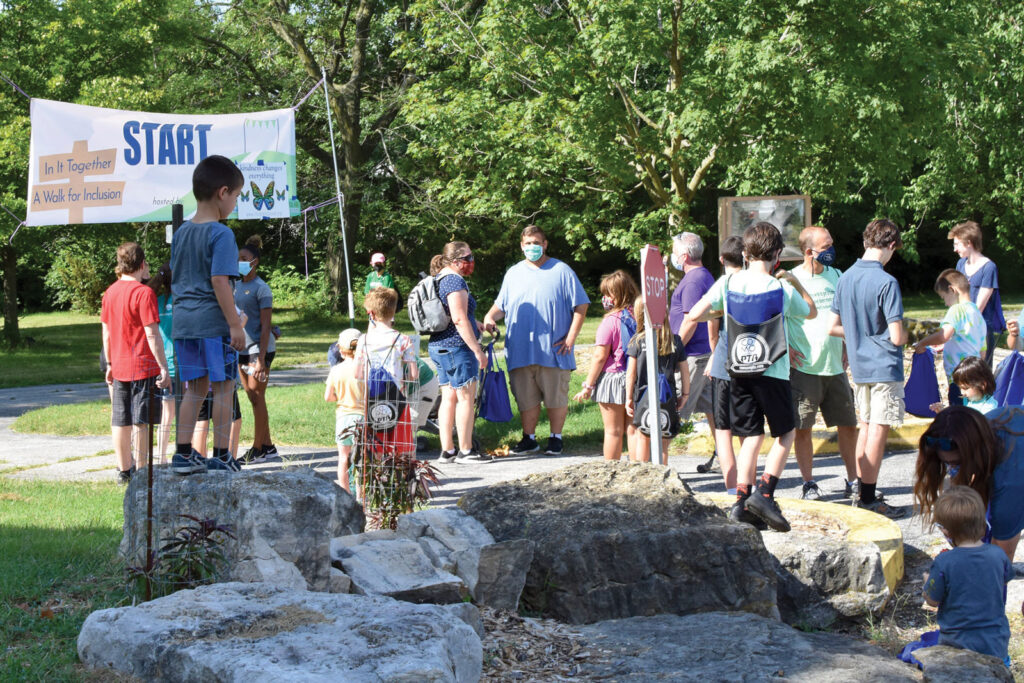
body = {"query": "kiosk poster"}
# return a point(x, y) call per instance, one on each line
point(95, 165)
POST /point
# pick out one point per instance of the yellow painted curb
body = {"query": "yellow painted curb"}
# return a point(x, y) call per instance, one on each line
point(862, 527)
point(903, 438)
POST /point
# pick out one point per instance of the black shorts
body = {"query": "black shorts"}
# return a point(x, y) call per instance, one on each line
point(130, 403)
point(207, 408)
point(720, 399)
point(755, 398)
point(245, 359)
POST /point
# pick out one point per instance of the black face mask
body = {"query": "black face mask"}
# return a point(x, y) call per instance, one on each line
point(379, 267)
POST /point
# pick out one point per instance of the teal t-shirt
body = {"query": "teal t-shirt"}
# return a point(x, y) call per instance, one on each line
point(983, 405)
point(969, 332)
point(165, 304)
point(822, 352)
point(748, 282)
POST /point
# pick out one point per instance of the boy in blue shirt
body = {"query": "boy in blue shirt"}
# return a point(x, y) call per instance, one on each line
point(968, 583)
point(206, 328)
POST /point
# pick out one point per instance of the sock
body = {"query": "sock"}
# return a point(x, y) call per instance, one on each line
point(451, 452)
point(557, 436)
point(808, 482)
point(531, 436)
point(766, 487)
point(867, 492)
point(183, 448)
point(731, 492)
point(466, 452)
point(221, 453)
point(742, 491)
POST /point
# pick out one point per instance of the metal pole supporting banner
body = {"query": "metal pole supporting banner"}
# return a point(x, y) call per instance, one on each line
point(341, 201)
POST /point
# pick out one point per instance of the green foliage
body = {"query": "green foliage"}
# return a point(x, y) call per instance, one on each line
point(78, 282)
point(391, 484)
point(193, 556)
point(293, 290)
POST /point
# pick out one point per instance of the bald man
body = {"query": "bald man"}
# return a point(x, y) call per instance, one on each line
point(817, 364)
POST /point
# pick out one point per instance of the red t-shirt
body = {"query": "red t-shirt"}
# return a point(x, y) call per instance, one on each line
point(128, 306)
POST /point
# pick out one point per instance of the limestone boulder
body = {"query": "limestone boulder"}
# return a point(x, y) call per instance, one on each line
point(615, 539)
point(730, 646)
point(494, 572)
point(235, 632)
point(398, 569)
point(944, 664)
point(283, 521)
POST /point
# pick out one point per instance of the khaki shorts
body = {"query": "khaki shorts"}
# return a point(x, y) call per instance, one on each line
point(535, 383)
point(700, 399)
point(880, 403)
point(832, 394)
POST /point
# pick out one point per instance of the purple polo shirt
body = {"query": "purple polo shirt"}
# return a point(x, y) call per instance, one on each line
point(689, 291)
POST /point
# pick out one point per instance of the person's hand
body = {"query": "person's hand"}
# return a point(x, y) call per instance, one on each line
point(564, 346)
point(682, 400)
point(796, 359)
point(919, 348)
point(629, 407)
point(164, 382)
point(582, 395)
point(237, 337)
point(1013, 327)
point(936, 407)
point(481, 357)
point(489, 324)
point(707, 370)
point(110, 375)
point(257, 369)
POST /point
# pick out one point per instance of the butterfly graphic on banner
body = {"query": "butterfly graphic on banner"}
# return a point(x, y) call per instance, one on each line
point(265, 198)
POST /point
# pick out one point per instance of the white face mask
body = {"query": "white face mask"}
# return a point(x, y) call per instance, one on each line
point(676, 263)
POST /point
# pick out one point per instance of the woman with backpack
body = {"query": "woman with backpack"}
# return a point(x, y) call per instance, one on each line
point(457, 355)
point(606, 381)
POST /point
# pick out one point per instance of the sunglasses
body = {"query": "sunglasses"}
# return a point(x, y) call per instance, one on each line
point(943, 443)
point(468, 258)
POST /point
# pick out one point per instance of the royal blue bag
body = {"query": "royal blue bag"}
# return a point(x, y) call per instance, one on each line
point(1010, 381)
point(494, 402)
point(922, 388)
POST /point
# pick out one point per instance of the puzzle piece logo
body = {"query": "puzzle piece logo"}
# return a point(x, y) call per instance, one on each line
point(63, 186)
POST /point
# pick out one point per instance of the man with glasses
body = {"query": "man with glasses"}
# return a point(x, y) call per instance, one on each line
point(817, 360)
point(544, 305)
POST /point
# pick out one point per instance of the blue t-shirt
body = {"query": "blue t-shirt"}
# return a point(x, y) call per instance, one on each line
point(198, 252)
point(688, 292)
point(868, 299)
point(538, 304)
point(718, 356)
point(1008, 477)
point(986, 276)
point(165, 304)
point(970, 585)
point(450, 337)
point(252, 297)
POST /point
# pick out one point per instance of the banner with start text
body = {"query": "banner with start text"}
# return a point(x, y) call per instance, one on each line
point(95, 165)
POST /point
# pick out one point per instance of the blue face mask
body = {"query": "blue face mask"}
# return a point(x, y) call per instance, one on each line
point(953, 471)
point(675, 262)
point(827, 257)
point(244, 268)
point(533, 252)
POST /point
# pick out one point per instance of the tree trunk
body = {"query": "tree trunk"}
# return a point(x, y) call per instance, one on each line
point(10, 265)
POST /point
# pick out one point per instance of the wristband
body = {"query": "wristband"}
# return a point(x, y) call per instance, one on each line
point(588, 387)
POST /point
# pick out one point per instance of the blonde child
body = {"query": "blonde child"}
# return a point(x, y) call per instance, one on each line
point(348, 393)
point(671, 359)
point(968, 583)
point(974, 378)
point(606, 381)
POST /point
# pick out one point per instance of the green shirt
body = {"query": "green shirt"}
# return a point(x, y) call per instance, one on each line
point(969, 335)
point(823, 354)
point(375, 280)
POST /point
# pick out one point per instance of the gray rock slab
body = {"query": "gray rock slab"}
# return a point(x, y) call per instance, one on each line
point(496, 573)
point(437, 553)
point(340, 582)
point(731, 646)
point(398, 569)
point(288, 515)
point(944, 664)
point(615, 539)
point(452, 527)
point(236, 632)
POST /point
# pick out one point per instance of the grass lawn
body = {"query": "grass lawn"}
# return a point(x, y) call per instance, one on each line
point(58, 563)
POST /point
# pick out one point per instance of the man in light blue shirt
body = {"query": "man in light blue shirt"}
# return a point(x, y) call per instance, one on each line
point(867, 311)
point(544, 305)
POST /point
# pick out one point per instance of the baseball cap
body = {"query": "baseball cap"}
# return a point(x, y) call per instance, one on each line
point(348, 336)
point(376, 258)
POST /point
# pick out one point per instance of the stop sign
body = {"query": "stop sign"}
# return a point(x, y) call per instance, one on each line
point(654, 285)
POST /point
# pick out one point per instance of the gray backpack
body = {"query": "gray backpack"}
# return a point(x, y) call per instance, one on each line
point(426, 310)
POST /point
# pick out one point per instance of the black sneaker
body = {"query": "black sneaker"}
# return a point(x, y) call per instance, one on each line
point(188, 464)
point(226, 463)
point(447, 457)
point(125, 476)
point(710, 466)
point(525, 446)
point(810, 491)
point(269, 453)
point(554, 446)
point(768, 510)
point(252, 455)
point(880, 507)
point(738, 513)
point(473, 456)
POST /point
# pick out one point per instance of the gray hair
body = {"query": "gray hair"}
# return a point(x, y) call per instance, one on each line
point(691, 243)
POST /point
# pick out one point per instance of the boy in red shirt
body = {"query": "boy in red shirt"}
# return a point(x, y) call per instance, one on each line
point(135, 351)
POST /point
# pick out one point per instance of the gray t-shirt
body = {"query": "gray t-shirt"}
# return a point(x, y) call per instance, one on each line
point(251, 297)
point(867, 299)
point(198, 252)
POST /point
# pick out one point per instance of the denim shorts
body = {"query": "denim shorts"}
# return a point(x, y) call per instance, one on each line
point(456, 367)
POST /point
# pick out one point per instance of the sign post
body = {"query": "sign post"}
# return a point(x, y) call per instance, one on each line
point(654, 285)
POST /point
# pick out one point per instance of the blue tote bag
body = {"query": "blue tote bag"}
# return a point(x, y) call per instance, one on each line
point(494, 402)
point(922, 388)
point(1010, 381)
